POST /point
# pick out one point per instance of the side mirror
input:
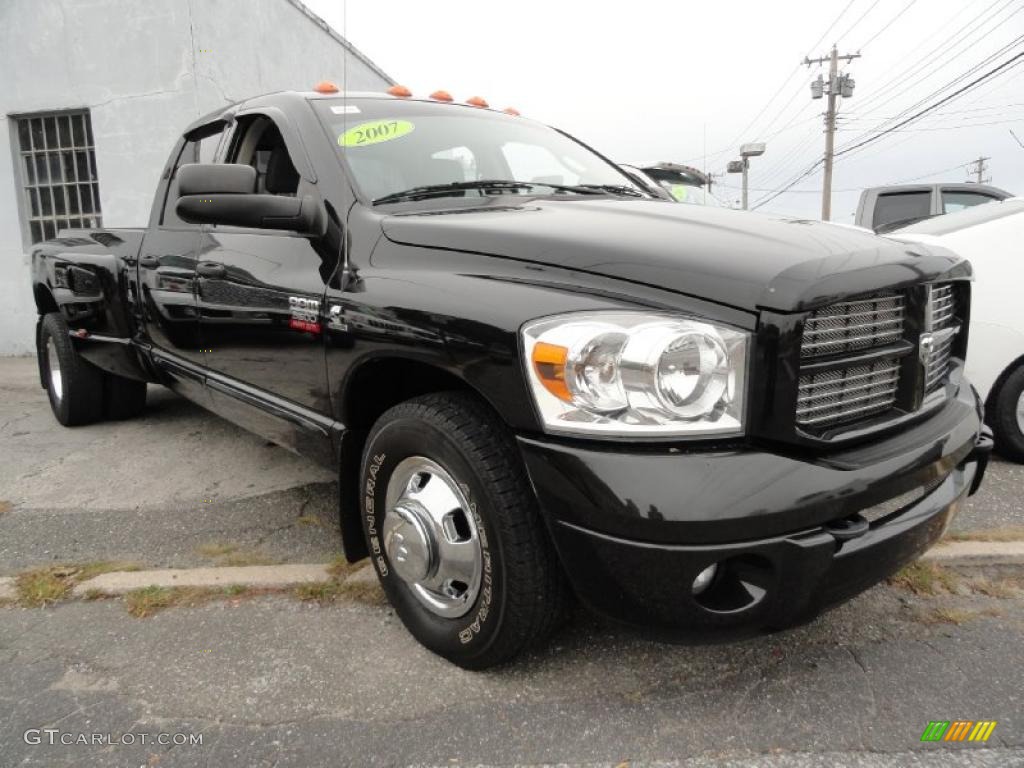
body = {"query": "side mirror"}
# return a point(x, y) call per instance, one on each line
point(224, 193)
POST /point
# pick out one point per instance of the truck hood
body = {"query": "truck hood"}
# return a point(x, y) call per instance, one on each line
point(741, 259)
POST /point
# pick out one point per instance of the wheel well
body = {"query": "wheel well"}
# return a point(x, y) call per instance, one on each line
point(45, 302)
point(374, 388)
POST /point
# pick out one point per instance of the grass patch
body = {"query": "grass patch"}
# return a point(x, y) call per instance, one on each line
point(216, 549)
point(1001, 588)
point(91, 570)
point(1009, 533)
point(341, 567)
point(247, 557)
point(225, 553)
point(925, 579)
point(146, 601)
point(953, 616)
point(318, 591)
point(42, 586)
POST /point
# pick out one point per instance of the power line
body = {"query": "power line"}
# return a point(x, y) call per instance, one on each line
point(947, 46)
point(732, 144)
point(858, 21)
point(1011, 62)
point(891, 21)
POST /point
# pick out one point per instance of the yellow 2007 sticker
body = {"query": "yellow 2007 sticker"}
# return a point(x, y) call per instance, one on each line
point(375, 132)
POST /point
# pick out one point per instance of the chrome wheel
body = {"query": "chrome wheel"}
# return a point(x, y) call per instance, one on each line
point(431, 537)
point(1020, 413)
point(53, 364)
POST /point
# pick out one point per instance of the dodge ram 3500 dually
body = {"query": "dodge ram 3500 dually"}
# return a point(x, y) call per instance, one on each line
point(532, 379)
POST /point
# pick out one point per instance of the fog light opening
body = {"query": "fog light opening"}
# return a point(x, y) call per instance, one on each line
point(704, 579)
point(735, 584)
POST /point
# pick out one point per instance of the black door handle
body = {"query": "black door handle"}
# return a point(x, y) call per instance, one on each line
point(211, 269)
point(150, 262)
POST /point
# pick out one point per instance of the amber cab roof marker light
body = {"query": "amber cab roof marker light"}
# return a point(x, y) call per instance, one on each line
point(511, 111)
point(476, 101)
point(441, 96)
point(400, 91)
point(325, 86)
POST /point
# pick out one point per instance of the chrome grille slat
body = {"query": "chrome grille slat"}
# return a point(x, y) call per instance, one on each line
point(943, 311)
point(859, 390)
point(838, 395)
point(854, 325)
point(840, 389)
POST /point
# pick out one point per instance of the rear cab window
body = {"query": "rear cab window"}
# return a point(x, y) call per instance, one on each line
point(894, 207)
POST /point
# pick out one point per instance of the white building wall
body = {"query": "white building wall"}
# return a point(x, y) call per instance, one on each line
point(145, 70)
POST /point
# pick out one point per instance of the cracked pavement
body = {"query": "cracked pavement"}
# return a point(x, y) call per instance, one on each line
point(271, 681)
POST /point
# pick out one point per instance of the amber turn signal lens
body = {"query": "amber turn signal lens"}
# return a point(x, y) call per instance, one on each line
point(476, 101)
point(325, 86)
point(399, 90)
point(549, 363)
point(441, 96)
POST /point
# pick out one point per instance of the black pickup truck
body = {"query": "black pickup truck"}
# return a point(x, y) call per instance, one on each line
point(532, 379)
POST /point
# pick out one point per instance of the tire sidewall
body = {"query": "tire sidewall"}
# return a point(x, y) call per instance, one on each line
point(467, 636)
point(1008, 434)
point(51, 330)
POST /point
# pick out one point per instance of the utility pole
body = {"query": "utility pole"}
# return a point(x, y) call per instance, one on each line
point(978, 169)
point(838, 85)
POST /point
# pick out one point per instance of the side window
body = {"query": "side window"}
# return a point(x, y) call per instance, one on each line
point(957, 201)
point(200, 147)
point(258, 142)
point(901, 206)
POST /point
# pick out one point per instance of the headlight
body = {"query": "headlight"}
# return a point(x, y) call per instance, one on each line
point(636, 373)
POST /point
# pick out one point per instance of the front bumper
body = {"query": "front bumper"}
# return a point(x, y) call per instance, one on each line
point(791, 534)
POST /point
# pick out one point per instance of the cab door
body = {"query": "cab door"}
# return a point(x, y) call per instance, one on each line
point(259, 298)
point(167, 273)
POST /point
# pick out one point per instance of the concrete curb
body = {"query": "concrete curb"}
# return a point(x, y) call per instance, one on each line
point(120, 582)
point(956, 553)
point(977, 553)
point(7, 590)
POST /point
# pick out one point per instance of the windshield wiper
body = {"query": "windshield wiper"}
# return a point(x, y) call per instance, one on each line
point(431, 190)
point(615, 189)
point(499, 185)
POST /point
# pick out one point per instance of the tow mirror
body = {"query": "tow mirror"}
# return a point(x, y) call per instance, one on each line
point(224, 193)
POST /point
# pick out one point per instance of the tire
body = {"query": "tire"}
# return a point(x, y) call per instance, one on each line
point(122, 398)
point(454, 445)
point(74, 386)
point(1006, 416)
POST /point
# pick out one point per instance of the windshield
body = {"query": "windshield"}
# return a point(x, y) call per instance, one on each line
point(392, 147)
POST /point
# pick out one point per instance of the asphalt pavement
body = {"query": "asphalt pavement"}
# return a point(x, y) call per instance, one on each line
point(274, 681)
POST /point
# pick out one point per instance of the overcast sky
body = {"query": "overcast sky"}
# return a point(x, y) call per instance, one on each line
point(646, 80)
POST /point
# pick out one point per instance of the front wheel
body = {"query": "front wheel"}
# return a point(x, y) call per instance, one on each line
point(454, 531)
point(75, 386)
point(1007, 416)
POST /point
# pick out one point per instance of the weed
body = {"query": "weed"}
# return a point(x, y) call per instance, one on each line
point(925, 579)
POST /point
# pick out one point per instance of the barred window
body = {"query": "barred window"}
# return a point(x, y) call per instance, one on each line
point(58, 172)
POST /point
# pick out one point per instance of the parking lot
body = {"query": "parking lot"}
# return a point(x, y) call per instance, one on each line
point(274, 679)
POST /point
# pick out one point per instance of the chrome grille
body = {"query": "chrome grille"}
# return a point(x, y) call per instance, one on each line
point(854, 325)
point(830, 397)
point(943, 309)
